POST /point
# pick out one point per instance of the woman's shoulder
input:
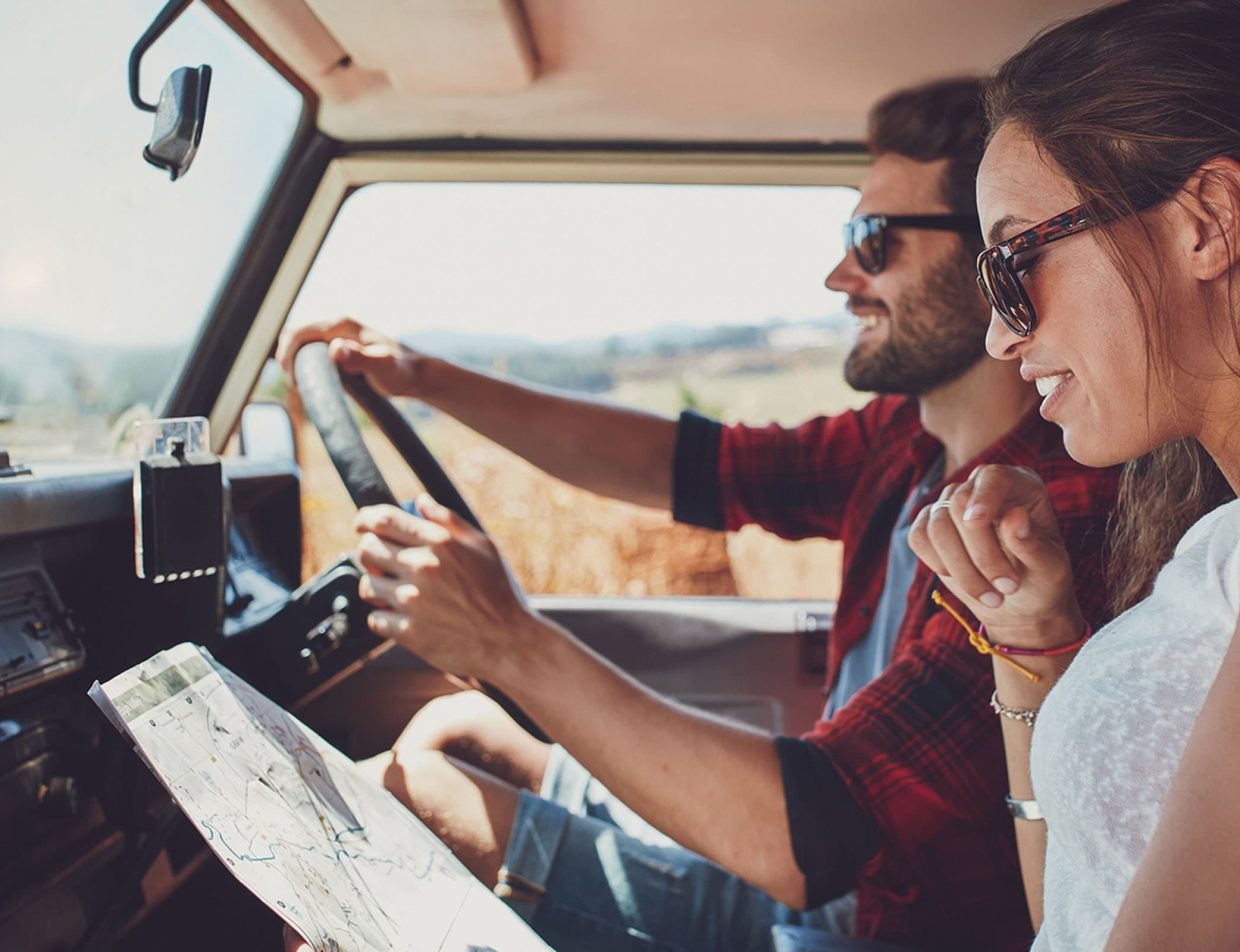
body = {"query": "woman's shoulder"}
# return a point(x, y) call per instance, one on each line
point(1220, 527)
point(1207, 560)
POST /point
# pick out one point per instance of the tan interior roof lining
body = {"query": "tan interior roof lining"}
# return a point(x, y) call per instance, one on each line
point(433, 47)
point(637, 69)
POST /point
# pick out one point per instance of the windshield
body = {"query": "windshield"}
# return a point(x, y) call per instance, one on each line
point(107, 268)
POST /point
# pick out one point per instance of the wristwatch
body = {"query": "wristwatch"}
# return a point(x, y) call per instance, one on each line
point(1023, 809)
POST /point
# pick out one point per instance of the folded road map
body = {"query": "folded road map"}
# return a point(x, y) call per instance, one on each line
point(337, 857)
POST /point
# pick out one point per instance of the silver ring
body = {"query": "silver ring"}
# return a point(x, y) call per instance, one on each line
point(941, 504)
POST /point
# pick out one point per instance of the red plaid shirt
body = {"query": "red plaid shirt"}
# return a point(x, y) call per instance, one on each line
point(918, 748)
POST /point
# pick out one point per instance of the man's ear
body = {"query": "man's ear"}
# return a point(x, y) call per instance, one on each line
point(1212, 208)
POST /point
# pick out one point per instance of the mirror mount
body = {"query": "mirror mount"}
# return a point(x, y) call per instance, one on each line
point(182, 105)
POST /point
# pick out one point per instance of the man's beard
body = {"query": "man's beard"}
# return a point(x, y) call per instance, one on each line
point(934, 335)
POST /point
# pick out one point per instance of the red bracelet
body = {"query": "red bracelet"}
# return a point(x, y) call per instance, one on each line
point(1039, 652)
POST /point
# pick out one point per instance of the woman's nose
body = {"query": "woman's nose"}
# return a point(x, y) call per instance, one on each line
point(1002, 342)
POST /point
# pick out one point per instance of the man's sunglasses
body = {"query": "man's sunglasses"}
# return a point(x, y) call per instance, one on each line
point(866, 235)
point(999, 267)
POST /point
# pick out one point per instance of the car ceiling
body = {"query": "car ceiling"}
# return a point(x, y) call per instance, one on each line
point(663, 70)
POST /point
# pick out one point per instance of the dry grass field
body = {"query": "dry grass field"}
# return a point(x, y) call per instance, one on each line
point(563, 540)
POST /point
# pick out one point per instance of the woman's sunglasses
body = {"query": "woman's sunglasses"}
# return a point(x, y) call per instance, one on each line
point(866, 235)
point(999, 267)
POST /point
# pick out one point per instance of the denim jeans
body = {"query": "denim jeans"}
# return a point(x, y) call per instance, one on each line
point(589, 875)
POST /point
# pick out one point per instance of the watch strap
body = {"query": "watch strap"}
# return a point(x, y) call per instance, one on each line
point(1023, 809)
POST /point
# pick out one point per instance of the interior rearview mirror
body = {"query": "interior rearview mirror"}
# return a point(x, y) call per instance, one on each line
point(179, 115)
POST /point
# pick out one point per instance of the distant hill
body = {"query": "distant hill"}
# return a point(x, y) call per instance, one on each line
point(38, 368)
point(591, 364)
point(453, 344)
point(456, 345)
point(56, 372)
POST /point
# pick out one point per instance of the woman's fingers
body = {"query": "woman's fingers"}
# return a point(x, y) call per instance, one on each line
point(995, 542)
point(970, 553)
point(991, 489)
point(1035, 549)
point(921, 544)
point(982, 541)
point(945, 535)
point(999, 489)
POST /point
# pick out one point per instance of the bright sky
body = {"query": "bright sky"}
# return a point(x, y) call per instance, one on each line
point(96, 244)
point(554, 262)
point(101, 247)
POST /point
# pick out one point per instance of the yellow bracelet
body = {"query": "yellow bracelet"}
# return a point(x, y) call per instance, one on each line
point(980, 641)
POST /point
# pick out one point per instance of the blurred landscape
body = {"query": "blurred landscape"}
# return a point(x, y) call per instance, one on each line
point(60, 399)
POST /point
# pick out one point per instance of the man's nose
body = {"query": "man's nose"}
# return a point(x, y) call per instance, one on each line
point(847, 276)
point(1002, 342)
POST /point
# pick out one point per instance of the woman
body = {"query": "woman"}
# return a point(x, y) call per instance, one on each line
point(1111, 193)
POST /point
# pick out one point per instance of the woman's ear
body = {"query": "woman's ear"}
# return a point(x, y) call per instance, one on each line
point(1212, 215)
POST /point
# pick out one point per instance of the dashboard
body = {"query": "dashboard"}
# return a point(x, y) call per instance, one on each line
point(87, 840)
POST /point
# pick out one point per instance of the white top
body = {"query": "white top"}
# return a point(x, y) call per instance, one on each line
point(1112, 731)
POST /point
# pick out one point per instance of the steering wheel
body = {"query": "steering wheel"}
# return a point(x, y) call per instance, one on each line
point(322, 388)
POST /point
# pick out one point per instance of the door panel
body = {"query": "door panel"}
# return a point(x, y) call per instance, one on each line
point(755, 660)
point(739, 657)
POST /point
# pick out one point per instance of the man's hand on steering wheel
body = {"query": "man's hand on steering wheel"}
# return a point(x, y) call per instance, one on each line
point(391, 367)
point(441, 589)
point(359, 360)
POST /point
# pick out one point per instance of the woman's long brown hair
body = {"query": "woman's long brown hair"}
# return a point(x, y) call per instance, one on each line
point(1130, 101)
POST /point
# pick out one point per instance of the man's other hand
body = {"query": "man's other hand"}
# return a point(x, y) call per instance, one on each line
point(441, 589)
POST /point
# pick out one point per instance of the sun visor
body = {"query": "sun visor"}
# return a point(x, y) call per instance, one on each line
point(439, 47)
point(305, 44)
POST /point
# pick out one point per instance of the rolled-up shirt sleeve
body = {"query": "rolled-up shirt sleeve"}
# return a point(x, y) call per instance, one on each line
point(695, 472)
point(831, 838)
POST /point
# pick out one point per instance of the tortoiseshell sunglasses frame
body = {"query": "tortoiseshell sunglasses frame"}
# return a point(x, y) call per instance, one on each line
point(998, 265)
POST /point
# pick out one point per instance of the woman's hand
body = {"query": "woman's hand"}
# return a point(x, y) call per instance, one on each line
point(357, 349)
point(994, 541)
point(293, 942)
point(441, 589)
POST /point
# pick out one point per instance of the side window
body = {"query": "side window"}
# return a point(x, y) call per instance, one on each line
point(662, 297)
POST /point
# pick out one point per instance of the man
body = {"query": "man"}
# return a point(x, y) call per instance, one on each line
point(886, 820)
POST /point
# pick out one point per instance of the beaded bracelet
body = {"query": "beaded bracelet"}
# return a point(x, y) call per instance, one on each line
point(1023, 715)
